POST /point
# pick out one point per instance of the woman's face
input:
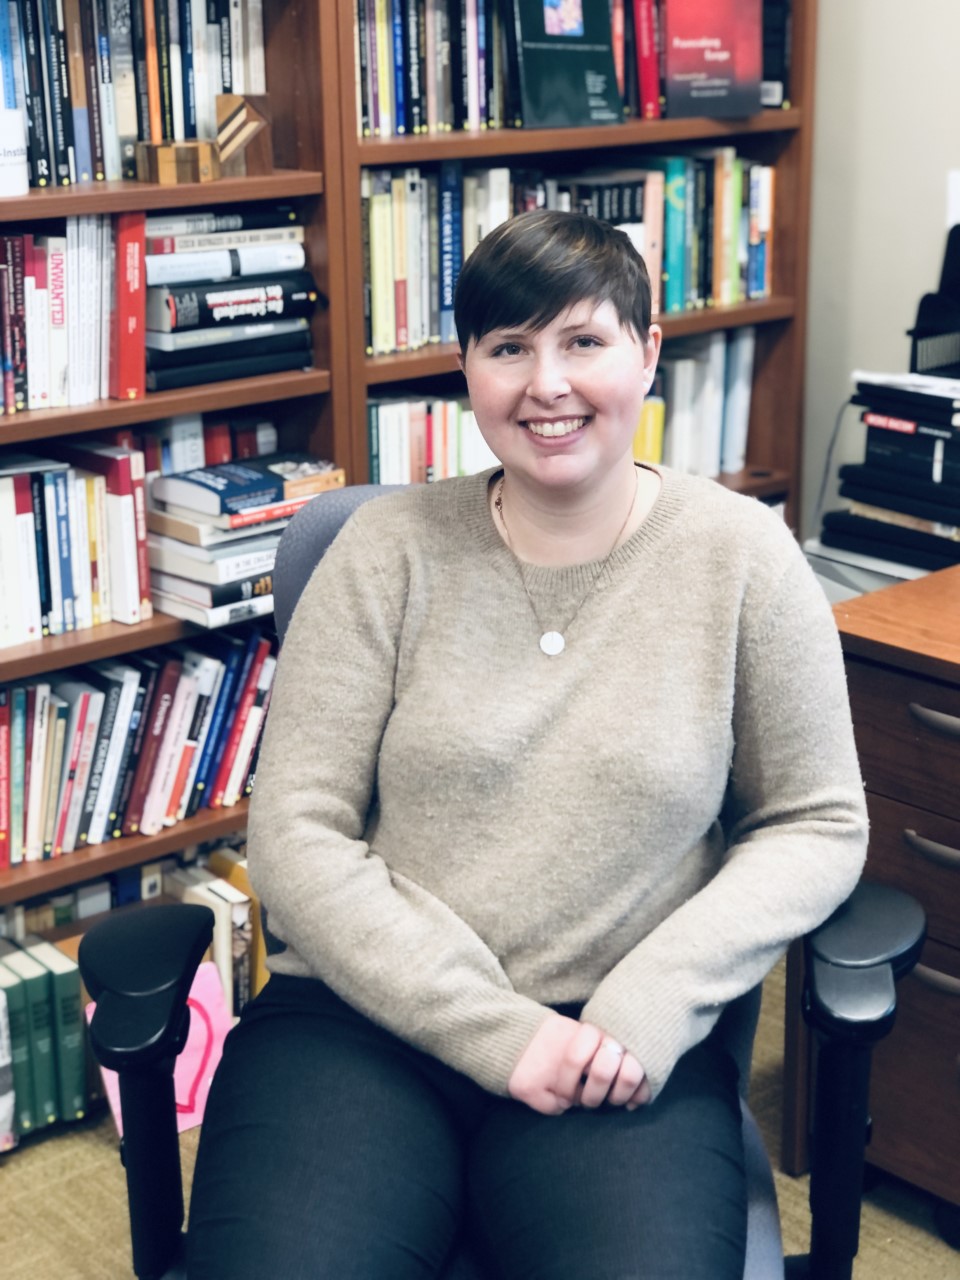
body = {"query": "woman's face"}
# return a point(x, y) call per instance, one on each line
point(559, 407)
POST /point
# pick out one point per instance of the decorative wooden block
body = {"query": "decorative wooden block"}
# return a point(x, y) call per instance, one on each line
point(172, 163)
point(244, 134)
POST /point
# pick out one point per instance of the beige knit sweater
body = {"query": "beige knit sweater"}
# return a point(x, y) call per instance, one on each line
point(453, 830)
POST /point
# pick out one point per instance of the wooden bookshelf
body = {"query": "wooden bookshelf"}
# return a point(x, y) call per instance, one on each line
point(779, 137)
point(311, 408)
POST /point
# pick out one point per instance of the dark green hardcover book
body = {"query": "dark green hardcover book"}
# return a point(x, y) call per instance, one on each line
point(38, 988)
point(25, 1112)
point(68, 1026)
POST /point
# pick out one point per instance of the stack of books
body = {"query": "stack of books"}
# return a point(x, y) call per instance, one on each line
point(213, 533)
point(228, 296)
point(903, 499)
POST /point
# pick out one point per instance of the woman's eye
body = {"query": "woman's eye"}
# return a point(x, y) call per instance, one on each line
point(507, 349)
point(584, 340)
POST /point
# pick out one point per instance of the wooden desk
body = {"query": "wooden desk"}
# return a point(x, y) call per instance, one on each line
point(902, 650)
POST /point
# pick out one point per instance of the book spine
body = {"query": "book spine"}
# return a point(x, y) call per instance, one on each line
point(42, 1061)
point(139, 725)
point(27, 557)
point(152, 742)
point(188, 79)
point(257, 650)
point(62, 508)
point(39, 145)
point(98, 762)
point(78, 89)
point(171, 308)
point(233, 669)
point(106, 93)
point(42, 550)
point(18, 753)
point(25, 1115)
point(128, 358)
point(14, 258)
point(164, 72)
point(4, 778)
point(8, 404)
point(58, 88)
point(69, 1043)
point(152, 58)
point(450, 244)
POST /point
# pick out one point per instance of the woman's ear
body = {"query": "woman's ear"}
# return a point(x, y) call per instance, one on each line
point(651, 354)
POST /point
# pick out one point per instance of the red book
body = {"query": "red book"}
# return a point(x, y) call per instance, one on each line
point(8, 404)
point(883, 420)
point(713, 57)
point(13, 250)
point(72, 752)
point(217, 446)
point(4, 779)
point(128, 359)
point(648, 60)
point(244, 702)
point(156, 717)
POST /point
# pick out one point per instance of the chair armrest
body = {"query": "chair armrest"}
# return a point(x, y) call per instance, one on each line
point(139, 967)
point(855, 958)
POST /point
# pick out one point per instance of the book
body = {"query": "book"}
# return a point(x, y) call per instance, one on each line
point(156, 718)
point(223, 264)
point(13, 988)
point(250, 518)
point(713, 57)
point(212, 596)
point(8, 1099)
point(230, 864)
point(69, 1045)
point(38, 989)
point(880, 480)
point(205, 222)
point(247, 697)
point(211, 341)
point(741, 345)
point(249, 735)
point(232, 651)
point(150, 669)
point(209, 672)
point(176, 729)
point(565, 64)
point(192, 374)
point(888, 541)
point(128, 321)
point(86, 722)
point(926, 396)
point(202, 532)
point(234, 486)
point(174, 307)
point(121, 683)
point(222, 615)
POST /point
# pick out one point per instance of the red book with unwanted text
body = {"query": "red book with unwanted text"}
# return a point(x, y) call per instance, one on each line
point(128, 359)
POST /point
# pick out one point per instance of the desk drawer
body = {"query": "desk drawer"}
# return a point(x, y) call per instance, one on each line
point(918, 852)
point(908, 736)
point(915, 1083)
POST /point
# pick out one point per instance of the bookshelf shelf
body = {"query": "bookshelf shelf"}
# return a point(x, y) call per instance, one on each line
point(492, 143)
point(105, 414)
point(121, 197)
point(434, 360)
point(33, 879)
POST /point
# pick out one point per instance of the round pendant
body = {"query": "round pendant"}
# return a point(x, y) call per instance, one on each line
point(552, 643)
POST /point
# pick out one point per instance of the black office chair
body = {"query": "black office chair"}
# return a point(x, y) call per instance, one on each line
point(139, 967)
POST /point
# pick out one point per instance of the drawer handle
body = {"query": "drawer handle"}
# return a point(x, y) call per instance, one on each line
point(939, 721)
point(941, 853)
point(942, 982)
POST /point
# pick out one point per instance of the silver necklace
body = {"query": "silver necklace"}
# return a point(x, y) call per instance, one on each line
point(552, 643)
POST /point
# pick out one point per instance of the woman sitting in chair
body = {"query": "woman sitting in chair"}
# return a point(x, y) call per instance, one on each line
point(559, 760)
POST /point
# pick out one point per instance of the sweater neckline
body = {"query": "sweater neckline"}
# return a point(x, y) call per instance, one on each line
point(477, 523)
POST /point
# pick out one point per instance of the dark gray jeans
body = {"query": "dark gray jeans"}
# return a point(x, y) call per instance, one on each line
point(331, 1149)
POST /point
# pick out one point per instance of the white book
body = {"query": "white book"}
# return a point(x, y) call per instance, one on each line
point(97, 512)
point(738, 387)
point(58, 350)
point(75, 387)
point(33, 838)
point(80, 551)
point(223, 264)
point(91, 311)
point(223, 615)
point(168, 758)
point(209, 672)
point(107, 300)
point(124, 575)
point(196, 885)
point(416, 333)
point(176, 68)
point(214, 72)
point(214, 564)
point(124, 83)
point(12, 616)
point(680, 427)
point(451, 414)
point(103, 811)
point(35, 321)
point(255, 69)
point(238, 77)
point(26, 548)
point(202, 99)
point(498, 197)
point(223, 339)
point(249, 734)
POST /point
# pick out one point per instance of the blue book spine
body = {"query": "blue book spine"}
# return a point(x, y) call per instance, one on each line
point(253, 641)
point(63, 548)
point(186, 62)
point(232, 659)
point(674, 169)
point(451, 243)
point(7, 76)
point(399, 72)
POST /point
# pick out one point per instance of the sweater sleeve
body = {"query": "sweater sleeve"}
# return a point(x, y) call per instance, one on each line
point(384, 944)
point(796, 836)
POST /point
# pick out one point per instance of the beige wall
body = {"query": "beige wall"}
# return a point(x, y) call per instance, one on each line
point(887, 130)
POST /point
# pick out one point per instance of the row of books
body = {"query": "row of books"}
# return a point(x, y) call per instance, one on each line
point(47, 1069)
point(703, 223)
point(695, 419)
point(92, 77)
point(120, 748)
point(73, 525)
point(901, 503)
point(117, 306)
point(429, 66)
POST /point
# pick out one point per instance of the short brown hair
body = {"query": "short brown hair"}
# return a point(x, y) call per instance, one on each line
point(534, 266)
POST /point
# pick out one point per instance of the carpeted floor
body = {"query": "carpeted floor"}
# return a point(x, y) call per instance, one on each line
point(63, 1207)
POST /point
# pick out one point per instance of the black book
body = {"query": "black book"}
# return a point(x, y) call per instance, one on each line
point(898, 543)
point(39, 145)
point(149, 669)
point(250, 298)
point(213, 595)
point(57, 83)
point(162, 19)
point(138, 32)
point(915, 405)
point(567, 76)
point(910, 424)
point(112, 689)
point(43, 550)
point(938, 512)
point(185, 13)
point(222, 370)
point(227, 351)
point(512, 99)
point(415, 95)
point(91, 71)
point(926, 457)
point(881, 550)
point(896, 484)
point(218, 14)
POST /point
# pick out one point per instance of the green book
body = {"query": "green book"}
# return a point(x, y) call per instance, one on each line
point(38, 986)
point(68, 1025)
point(24, 1110)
